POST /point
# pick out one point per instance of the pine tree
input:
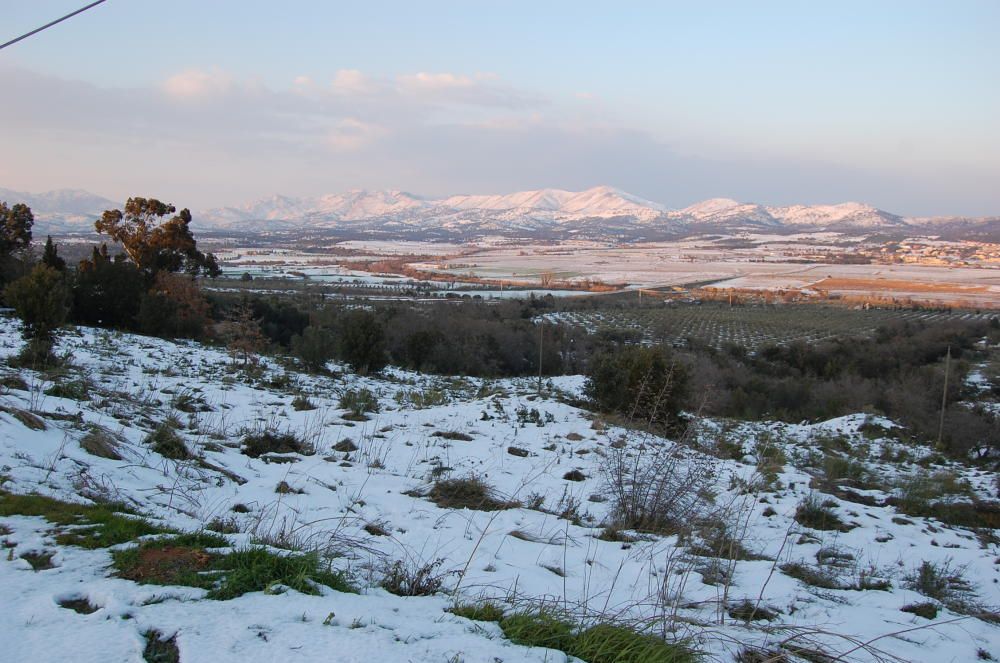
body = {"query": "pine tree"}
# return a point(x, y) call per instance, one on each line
point(51, 257)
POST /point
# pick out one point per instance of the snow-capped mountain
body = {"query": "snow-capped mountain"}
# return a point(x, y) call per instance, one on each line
point(600, 201)
point(599, 213)
point(726, 211)
point(856, 215)
point(60, 210)
point(353, 205)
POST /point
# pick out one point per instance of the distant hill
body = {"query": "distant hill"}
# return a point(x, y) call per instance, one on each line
point(600, 213)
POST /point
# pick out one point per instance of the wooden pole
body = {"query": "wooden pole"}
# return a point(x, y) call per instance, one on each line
point(944, 397)
point(541, 339)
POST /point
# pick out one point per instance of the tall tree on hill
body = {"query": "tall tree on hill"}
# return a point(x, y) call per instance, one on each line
point(154, 244)
point(15, 238)
point(50, 256)
point(15, 228)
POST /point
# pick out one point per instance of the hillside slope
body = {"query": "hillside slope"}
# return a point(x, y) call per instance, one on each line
point(365, 490)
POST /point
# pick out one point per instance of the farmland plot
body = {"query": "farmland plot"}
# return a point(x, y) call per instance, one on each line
point(719, 325)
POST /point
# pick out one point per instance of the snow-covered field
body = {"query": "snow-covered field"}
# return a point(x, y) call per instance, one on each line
point(369, 505)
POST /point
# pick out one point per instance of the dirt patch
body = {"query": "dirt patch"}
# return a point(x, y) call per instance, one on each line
point(80, 605)
point(170, 565)
point(40, 561)
point(888, 285)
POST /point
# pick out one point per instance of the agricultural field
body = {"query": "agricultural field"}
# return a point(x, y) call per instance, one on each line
point(717, 324)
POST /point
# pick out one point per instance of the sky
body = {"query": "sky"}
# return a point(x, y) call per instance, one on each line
point(211, 103)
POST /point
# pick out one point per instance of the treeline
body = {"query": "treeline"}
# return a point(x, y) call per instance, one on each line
point(467, 338)
point(149, 286)
point(900, 372)
point(907, 371)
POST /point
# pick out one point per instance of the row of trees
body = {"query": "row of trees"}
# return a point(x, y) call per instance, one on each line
point(148, 286)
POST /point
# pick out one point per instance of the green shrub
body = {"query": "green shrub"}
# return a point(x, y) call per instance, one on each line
point(301, 403)
point(160, 649)
point(314, 347)
point(362, 342)
point(76, 390)
point(359, 401)
point(640, 383)
point(927, 610)
point(812, 575)
point(40, 300)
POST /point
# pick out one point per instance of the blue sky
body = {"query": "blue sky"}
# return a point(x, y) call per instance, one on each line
point(216, 102)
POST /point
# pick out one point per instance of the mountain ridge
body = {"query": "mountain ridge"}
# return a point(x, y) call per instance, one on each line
point(547, 212)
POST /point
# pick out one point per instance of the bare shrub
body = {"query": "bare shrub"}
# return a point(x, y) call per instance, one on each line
point(658, 490)
point(468, 493)
point(414, 577)
point(818, 515)
point(100, 442)
point(272, 442)
point(166, 442)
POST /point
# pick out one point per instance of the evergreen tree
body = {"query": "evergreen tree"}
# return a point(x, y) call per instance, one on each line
point(15, 228)
point(107, 291)
point(362, 342)
point(40, 300)
point(50, 256)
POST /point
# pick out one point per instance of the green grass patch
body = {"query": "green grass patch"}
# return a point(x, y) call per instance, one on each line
point(479, 612)
point(185, 560)
point(606, 643)
point(600, 643)
point(85, 525)
point(539, 629)
point(359, 401)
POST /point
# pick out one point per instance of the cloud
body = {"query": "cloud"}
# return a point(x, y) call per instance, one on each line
point(203, 138)
point(198, 83)
point(351, 134)
point(425, 81)
point(351, 81)
point(482, 89)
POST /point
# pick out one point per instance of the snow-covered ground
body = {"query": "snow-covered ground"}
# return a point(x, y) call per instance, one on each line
point(369, 506)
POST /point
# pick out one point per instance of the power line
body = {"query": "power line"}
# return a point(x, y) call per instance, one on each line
point(49, 25)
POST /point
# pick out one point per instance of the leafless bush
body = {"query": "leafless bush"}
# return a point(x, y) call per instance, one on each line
point(414, 577)
point(658, 488)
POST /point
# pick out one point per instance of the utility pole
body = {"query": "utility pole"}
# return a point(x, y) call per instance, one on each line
point(944, 397)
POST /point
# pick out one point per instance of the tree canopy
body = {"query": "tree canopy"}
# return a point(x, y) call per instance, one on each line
point(154, 244)
point(15, 227)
